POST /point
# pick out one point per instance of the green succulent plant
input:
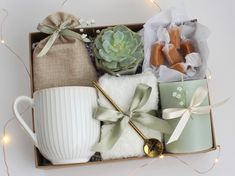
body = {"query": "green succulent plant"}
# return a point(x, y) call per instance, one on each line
point(118, 50)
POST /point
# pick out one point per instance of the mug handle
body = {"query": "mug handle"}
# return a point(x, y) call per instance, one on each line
point(18, 116)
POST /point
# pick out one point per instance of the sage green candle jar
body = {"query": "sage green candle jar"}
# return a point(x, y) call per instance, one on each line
point(197, 133)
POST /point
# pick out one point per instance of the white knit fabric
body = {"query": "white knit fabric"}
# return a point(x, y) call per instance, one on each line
point(122, 90)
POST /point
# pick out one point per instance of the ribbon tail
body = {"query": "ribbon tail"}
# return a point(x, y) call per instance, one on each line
point(220, 103)
point(46, 29)
point(49, 44)
point(199, 96)
point(173, 113)
point(207, 109)
point(153, 123)
point(108, 141)
point(179, 128)
point(141, 96)
point(107, 115)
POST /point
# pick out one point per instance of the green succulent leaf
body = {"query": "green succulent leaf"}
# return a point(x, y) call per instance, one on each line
point(104, 56)
point(107, 36)
point(118, 49)
point(118, 37)
point(110, 65)
point(108, 48)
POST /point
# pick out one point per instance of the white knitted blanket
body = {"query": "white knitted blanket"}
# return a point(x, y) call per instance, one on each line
point(122, 90)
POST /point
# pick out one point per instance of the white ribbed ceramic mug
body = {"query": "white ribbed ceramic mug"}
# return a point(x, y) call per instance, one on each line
point(65, 130)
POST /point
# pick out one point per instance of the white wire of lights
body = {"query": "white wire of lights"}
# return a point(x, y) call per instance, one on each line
point(156, 3)
point(216, 160)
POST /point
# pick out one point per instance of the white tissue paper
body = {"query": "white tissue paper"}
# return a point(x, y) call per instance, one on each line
point(196, 63)
point(122, 89)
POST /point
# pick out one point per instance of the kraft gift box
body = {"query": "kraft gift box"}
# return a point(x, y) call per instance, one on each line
point(40, 161)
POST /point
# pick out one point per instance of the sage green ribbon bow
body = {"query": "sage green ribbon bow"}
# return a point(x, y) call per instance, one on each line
point(55, 32)
point(119, 121)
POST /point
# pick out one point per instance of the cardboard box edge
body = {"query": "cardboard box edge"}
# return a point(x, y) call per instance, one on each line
point(104, 161)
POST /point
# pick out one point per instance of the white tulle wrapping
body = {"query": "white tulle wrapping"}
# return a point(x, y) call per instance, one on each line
point(197, 32)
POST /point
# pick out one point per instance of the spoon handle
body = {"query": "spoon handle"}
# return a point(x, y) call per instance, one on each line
point(97, 86)
point(137, 130)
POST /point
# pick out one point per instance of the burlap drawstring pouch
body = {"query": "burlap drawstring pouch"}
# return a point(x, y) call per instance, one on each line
point(61, 59)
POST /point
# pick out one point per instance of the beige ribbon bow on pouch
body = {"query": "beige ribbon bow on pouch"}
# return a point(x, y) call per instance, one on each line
point(63, 29)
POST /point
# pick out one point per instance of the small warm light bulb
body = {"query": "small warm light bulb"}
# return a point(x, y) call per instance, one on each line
point(209, 77)
point(161, 156)
point(2, 41)
point(216, 160)
point(6, 139)
point(152, 1)
point(92, 21)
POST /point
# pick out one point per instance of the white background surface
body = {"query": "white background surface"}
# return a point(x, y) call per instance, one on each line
point(24, 16)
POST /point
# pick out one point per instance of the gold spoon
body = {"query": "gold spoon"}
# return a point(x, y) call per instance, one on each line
point(152, 147)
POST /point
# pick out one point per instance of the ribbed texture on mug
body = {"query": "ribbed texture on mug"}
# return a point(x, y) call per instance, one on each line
point(64, 125)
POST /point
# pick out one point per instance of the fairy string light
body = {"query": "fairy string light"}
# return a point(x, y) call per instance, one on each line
point(156, 3)
point(152, 1)
point(5, 141)
point(208, 74)
point(63, 3)
point(6, 138)
point(4, 19)
point(4, 42)
point(216, 160)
